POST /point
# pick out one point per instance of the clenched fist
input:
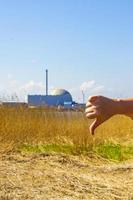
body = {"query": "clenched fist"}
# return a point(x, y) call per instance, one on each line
point(101, 109)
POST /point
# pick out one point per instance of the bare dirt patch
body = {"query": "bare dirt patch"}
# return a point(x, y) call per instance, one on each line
point(63, 177)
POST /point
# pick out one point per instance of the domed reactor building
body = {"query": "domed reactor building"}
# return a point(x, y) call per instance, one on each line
point(58, 97)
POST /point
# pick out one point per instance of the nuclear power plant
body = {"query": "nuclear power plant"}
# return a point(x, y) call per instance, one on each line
point(58, 97)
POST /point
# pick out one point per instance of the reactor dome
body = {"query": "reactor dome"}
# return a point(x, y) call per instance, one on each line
point(64, 93)
point(59, 92)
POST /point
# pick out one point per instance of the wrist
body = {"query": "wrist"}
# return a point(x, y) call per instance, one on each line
point(123, 106)
point(118, 106)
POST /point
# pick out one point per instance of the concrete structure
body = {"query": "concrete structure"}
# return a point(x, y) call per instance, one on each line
point(58, 97)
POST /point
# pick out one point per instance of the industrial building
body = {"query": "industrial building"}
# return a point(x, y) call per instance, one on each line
point(58, 97)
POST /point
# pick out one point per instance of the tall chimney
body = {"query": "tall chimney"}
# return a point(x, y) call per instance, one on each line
point(46, 82)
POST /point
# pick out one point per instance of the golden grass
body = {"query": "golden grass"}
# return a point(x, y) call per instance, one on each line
point(25, 125)
point(57, 175)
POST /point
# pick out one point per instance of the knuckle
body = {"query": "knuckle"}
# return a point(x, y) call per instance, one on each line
point(91, 98)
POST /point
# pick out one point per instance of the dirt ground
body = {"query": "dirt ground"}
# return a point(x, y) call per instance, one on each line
point(62, 177)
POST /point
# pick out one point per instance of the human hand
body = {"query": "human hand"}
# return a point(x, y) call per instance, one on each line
point(101, 109)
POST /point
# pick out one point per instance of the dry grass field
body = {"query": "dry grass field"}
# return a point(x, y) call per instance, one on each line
point(50, 155)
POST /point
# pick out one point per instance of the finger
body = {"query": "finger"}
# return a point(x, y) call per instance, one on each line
point(91, 115)
point(90, 109)
point(92, 99)
point(95, 124)
point(88, 104)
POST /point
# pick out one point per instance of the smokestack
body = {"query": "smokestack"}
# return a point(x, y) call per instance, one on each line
point(46, 82)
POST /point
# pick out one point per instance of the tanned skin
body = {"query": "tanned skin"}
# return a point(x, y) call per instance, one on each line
point(101, 108)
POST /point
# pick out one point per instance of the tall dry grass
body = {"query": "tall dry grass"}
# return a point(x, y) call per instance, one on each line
point(26, 125)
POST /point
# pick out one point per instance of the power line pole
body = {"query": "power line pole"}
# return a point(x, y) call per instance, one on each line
point(83, 95)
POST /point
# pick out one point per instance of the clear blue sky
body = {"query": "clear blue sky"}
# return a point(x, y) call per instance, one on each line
point(86, 43)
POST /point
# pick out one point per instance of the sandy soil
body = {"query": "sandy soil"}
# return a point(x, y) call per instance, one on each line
point(62, 177)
